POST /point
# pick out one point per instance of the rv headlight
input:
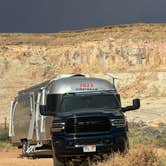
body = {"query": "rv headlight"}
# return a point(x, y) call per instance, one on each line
point(57, 127)
point(118, 122)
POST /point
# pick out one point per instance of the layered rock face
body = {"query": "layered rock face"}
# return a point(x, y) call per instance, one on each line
point(136, 53)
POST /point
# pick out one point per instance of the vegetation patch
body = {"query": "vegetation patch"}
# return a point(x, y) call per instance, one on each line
point(4, 134)
point(146, 135)
point(5, 144)
point(147, 147)
point(139, 156)
point(162, 161)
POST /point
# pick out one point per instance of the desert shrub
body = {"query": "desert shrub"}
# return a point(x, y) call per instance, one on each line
point(5, 146)
point(162, 161)
point(160, 141)
point(136, 125)
point(148, 135)
point(4, 134)
point(161, 138)
point(140, 156)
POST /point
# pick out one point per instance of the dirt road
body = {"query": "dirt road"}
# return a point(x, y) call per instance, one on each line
point(151, 113)
point(11, 159)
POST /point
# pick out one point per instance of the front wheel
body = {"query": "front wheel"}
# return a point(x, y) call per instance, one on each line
point(58, 161)
point(122, 146)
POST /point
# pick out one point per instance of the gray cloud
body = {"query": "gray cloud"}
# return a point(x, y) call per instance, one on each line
point(58, 15)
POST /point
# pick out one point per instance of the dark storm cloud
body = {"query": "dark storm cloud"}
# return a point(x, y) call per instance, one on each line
point(59, 15)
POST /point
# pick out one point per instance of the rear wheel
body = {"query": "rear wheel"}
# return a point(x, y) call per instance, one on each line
point(24, 148)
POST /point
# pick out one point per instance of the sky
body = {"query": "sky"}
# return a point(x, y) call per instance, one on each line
point(49, 16)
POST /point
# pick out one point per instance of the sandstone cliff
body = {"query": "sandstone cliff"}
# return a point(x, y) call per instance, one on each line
point(136, 53)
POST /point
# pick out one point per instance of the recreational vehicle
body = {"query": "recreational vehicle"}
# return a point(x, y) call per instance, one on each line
point(75, 115)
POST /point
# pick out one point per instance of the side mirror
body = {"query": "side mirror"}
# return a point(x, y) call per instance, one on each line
point(136, 105)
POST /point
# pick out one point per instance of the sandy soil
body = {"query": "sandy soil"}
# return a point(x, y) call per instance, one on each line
point(12, 159)
point(152, 112)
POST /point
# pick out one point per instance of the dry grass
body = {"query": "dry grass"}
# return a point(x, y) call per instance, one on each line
point(5, 146)
point(147, 148)
point(132, 31)
point(140, 156)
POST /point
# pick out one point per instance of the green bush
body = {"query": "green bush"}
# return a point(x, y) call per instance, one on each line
point(4, 134)
point(148, 135)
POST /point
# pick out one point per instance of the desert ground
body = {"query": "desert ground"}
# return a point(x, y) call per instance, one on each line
point(12, 159)
point(151, 113)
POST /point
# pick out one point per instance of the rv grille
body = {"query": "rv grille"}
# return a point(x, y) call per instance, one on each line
point(87, 124)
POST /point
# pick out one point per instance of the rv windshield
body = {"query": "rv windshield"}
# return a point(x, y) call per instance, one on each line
point(93, 101)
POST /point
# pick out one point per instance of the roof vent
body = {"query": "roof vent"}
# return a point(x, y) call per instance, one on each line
point(78, 75)
point(70, 75)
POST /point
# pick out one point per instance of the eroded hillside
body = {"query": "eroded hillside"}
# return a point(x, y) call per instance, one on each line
point(136, 53)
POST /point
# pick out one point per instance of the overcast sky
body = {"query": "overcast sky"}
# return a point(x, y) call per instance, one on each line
point(57, 15)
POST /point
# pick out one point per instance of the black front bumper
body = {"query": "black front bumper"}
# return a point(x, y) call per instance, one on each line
point(72, 145)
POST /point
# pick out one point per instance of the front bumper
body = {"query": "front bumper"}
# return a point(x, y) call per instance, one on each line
point(73, 145)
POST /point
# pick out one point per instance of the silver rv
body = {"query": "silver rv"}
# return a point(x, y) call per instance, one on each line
point(75, 115)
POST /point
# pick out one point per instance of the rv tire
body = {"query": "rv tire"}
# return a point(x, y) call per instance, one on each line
point(24, 148)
